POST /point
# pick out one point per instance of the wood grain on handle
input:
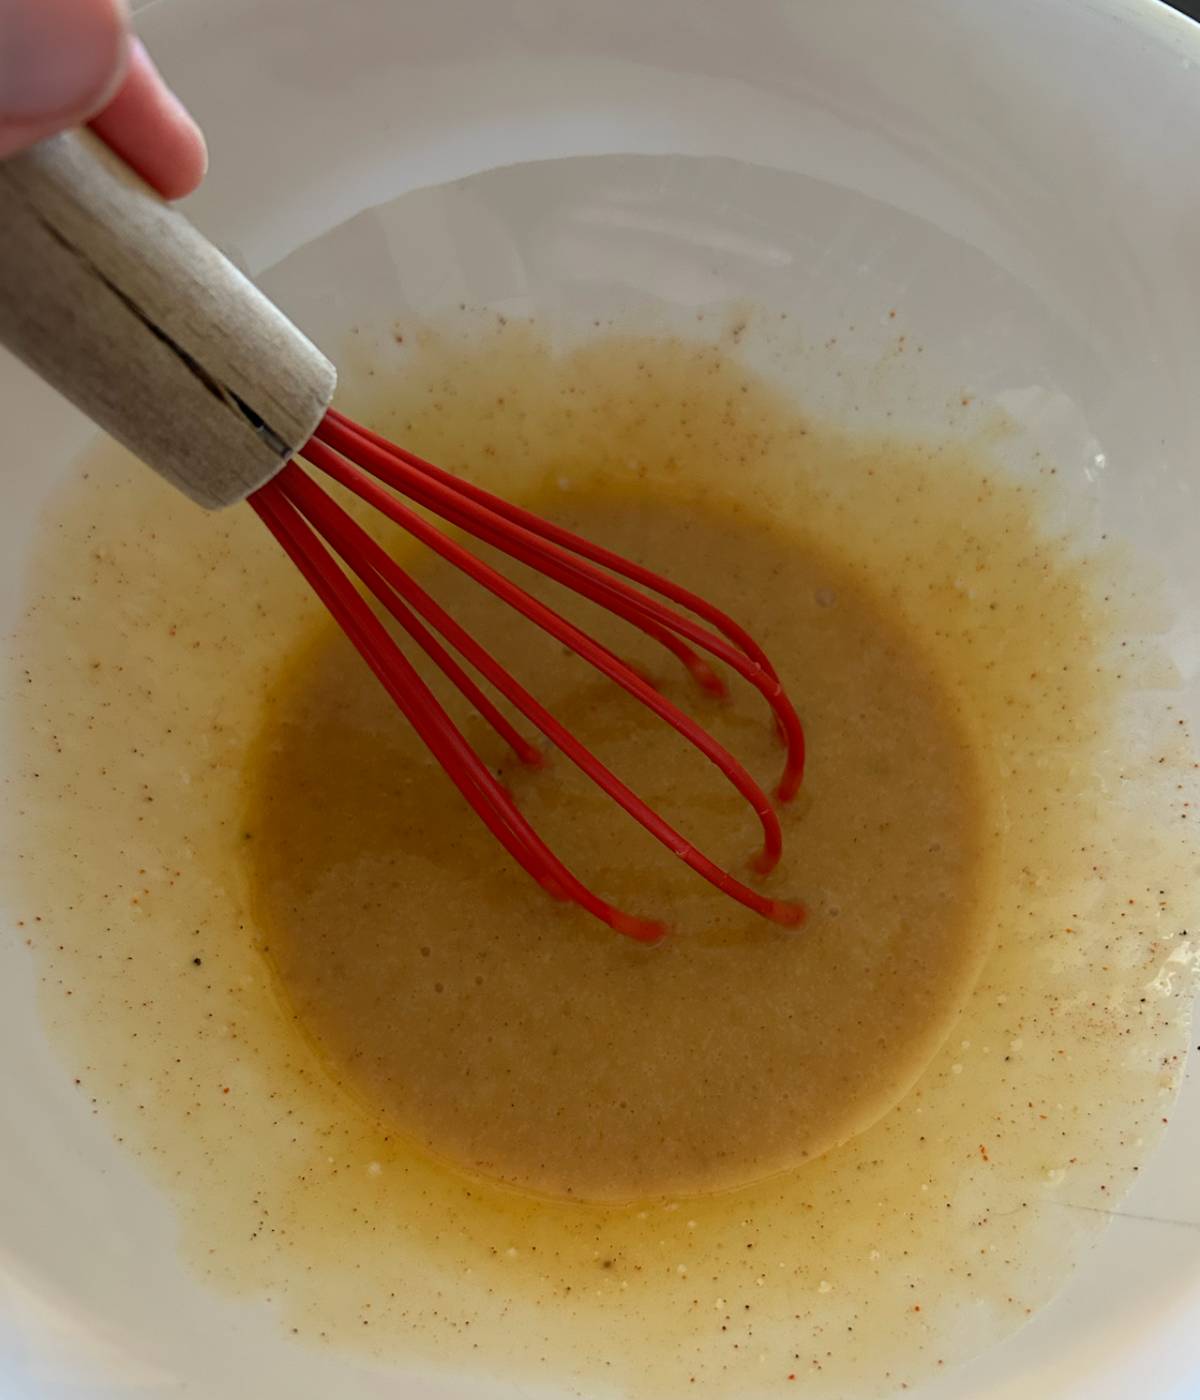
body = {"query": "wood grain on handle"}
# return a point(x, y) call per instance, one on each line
point(114, 298)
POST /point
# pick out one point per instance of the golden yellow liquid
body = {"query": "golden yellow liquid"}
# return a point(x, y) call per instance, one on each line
point(989, 719)
point(527, 1042)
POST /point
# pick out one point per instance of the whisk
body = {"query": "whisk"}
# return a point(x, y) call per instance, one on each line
point(115, 299)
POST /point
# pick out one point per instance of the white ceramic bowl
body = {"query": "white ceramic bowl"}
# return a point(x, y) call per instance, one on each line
point(1019, 177)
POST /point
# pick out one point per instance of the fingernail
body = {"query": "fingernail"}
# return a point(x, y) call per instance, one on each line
point(59, 57)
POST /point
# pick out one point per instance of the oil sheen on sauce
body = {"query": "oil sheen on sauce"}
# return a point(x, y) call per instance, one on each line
point(459, 1122)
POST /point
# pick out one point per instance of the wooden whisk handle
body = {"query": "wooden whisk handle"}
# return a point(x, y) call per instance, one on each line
point(117, 301)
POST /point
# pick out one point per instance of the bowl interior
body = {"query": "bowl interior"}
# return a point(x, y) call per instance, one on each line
point(958, 173)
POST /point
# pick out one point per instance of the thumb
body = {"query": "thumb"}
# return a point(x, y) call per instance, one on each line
point(60, 60)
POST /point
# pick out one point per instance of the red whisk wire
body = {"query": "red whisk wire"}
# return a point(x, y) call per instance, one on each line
point(356, 480)
point(549, 549)
point(316, 532)
point(385, 578)
point(577, 544)
point(421, 708)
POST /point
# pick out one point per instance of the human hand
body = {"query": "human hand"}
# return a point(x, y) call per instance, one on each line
point(67, 62)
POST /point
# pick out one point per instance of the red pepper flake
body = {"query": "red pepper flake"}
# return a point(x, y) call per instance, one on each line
point(225, 1090)
point(984, 1153)
point(916, 1307)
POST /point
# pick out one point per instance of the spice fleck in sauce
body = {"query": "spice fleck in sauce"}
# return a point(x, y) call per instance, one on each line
point(458, 1122)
